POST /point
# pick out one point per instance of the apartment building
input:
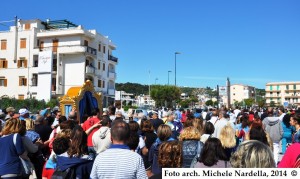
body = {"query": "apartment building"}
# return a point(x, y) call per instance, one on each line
point(283, 93)
point(43, 59)
point(239, 92)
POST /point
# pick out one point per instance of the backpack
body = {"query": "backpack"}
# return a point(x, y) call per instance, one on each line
point(197, 157)
point(66, 174)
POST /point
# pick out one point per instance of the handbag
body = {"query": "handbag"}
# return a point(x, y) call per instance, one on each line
point(27, 167)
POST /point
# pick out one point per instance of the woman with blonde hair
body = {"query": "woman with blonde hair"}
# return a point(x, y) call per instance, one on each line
point(198, 124)
point(191, 145)
point(252, 154)
point(228, 140)
point(11, 148)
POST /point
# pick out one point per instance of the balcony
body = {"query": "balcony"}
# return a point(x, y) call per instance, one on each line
point(111, 75)
point(112, 58)
point(89, 70)
point(111, 92)
point(91, 51)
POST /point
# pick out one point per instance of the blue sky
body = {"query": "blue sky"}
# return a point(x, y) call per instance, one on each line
point(250, 41)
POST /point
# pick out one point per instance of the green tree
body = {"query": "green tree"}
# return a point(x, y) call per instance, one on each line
point(261, 103)
point(165, 93)
point(249, 102)
point(272, 104)
point(209, 103)
point(184, 103)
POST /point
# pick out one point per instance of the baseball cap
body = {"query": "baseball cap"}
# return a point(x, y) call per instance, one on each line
point(10, 109)
point(23, 111)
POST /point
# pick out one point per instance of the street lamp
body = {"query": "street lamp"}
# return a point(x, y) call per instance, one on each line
point(176, 53)
point(156, 80)
point(169, 76)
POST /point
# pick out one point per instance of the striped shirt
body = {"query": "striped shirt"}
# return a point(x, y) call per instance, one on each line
point(117, 163)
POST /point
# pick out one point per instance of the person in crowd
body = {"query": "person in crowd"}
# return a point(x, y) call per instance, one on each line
point(30, 133)
point(273, 127)
point(281, 113)
point(10, 165)
point(56, 120)
point(183, 116)
point(288, 131)
point(118, 161)
point(89, 123)
point(198, 124)
point(212, 155)
point(111, 112)
point(148, 137)
point(252, 154)
point(208, 131)
point(169, 156)
point(102, 138)
point(24, 114)
point(220, 123)
point(10, 113)
point(242, 128)
point(133, 141)
point(77, 156)
point(175, 125)
point(258, 133)
point(228, 140)
point(60, 146)
point(156, 122)
point(290, 157)
point(42, 128)
point(191, 145)
point(164, 133)
point(295, 121)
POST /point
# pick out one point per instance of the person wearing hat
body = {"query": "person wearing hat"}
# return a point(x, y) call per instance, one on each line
point(156, 122)
point(10, 112)
point(24, 114)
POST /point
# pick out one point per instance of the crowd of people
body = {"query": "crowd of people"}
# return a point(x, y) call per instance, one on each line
point(106, 145)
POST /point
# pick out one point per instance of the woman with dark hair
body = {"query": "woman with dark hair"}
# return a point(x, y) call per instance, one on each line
point(288, 130)
point(213, 155)
point(164, 133)
point(76, 157)
point(149, 137)
point(169, 156)
point(295, 121)
point(208, 131)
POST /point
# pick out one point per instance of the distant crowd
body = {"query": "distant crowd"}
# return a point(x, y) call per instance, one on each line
point(108, 145)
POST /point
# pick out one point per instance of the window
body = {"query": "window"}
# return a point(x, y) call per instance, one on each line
point(3, 44)
point(34, 79)
point(22, 63)
point(271, 87)
point(35, 60)
point(41, 45)
point(103, 85)
point(86, 43)
point(21, 96)
point(99, 65)
point(294, 87)
point(278, 87)
point(23, 43)
point(103, 49)
point(271, 99)
point(3, 63)
point(22, 81)
point(27, 26)
point(99, 83)
point(287, 87)
point(233, 94)
point(3, 82)
point(99, 47)
point(54, 45)
point(103, 66)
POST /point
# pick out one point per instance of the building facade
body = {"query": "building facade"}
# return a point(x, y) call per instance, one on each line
point(73, 55)
point(283, 93)
point(239, 92)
